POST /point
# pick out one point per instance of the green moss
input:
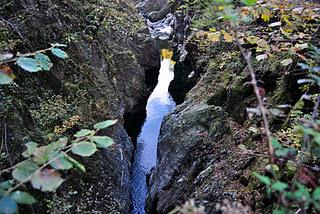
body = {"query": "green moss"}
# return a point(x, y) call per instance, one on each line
point(8, 41)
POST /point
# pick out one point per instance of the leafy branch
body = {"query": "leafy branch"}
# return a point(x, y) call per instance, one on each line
point(30, 62)
point(43, 163)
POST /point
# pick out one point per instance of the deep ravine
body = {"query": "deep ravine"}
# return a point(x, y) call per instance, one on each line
point(159, 104)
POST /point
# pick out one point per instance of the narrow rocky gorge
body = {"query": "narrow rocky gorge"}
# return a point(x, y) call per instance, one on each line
point(208, 145)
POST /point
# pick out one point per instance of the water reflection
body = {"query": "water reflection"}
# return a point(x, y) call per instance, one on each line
point(159, 104)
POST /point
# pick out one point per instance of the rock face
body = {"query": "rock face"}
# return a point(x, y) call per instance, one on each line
point(110, 51)
point(154, 9)
point(198, 154)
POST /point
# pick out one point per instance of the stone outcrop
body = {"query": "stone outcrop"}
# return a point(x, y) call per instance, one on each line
point(110, 52)
point(198, 154)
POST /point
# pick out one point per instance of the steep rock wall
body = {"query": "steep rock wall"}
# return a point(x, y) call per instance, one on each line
point(109, 52)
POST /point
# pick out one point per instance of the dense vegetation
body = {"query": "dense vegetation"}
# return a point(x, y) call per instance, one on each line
point(258, 61)
point(281, 37)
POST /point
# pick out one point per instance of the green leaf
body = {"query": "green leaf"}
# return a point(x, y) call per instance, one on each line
point(264, 179)
point(291, 165)
point(48, 180)
point(279, 211)
point(302, 193)
point(275, 143)
point(8, 206)
point(84, 149)
point(316, 194)
point(83, 133)
point(29, 64)
point(6, 185)
point(249, 2)
point(60, 163)
point(24, 170)
point(75, 163)
point(41, 154)
point(5, 79)
point(59, 53)
point(284, 152)
point(23, 197)
point(105, 124)
point(31, 147)
point(279, 186)
point(103, 141)
point(44, 61)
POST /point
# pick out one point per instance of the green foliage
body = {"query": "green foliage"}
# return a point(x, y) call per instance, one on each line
point(84, 149)
point(292, 179)
point(44, 61)
point(59, 53)
point(296, 192)
point(22, 197)
point(105, 124)
point(249, 2)
point(102, 141)
point(41, 168)
point(31, 62)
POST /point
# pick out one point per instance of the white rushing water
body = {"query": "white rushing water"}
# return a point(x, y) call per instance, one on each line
point(159, 104)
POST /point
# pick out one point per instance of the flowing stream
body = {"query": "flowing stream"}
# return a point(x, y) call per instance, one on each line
point(159, 104)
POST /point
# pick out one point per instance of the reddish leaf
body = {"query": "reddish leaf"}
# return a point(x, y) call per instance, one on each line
point(48, 180)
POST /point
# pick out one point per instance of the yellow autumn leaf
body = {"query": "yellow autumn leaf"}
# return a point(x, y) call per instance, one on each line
point(166, 53)
point(285, 18)
point(263, 46)
point(214, 37)
point(265, 17)
point(252, 39)
point(227, 37)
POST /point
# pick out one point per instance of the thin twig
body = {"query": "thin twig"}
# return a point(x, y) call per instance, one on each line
point(316, 109)
point(25, 55)
point(247, 57)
